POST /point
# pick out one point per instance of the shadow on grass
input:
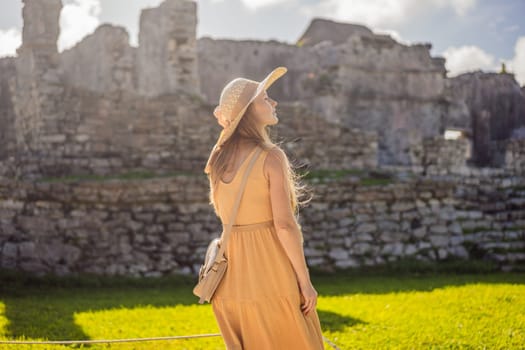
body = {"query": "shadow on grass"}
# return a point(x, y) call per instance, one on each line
point(44, 307)
point(335, 322)
point(410, 275)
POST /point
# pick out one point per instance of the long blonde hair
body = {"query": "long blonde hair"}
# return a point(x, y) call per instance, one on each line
point(248, 130)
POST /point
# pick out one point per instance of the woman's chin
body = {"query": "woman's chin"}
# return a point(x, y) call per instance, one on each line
point(272, 120)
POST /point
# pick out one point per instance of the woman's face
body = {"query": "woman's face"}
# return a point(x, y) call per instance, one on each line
point(263, 109)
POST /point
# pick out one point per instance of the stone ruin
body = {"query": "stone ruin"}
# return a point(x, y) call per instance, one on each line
point(360, 80)
point(135, 108)
point(104, 106)
point(352, 99)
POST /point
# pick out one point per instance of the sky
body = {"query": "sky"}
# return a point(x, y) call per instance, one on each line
point(470, 34)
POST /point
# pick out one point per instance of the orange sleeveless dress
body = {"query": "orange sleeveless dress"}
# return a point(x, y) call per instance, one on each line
point(258, 303)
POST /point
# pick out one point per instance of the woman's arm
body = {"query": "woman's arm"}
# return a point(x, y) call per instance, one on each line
point(285, 223)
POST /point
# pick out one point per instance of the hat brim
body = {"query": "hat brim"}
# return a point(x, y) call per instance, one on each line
point(263, 85)
point(227, 132)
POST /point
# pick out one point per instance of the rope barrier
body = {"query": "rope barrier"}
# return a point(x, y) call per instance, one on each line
point(98, 341)
point(330, 343)
point(130, 340)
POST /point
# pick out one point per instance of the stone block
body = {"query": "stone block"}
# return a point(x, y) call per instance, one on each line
point(338, 254)
point(366, 228)
point(392, 236)
point(420, 232)
point(134, 226)
point(456, 240)
point(10, 251)
point(388, 225)
point(423, 245)
point(11, 204)
point(313, 253)
point(347, 263)
point(315, 261)
point(6, 216)
point(455, 228)
point(475, 214)
point(346, 222)
point(459, 251)
point(439, 240)
point(27, 250)
point(361, 248)
point(393, 249)
point(403, 206)
point(82, 137)
point(53, 138)
point(410, 249)
point(364, 237)
point(442, 253)
point(439, 229)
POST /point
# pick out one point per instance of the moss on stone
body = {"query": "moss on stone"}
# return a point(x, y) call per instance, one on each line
point(328, 173)
point(139, 175)
point(476, 229)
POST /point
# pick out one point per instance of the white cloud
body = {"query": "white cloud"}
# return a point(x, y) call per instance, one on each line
point(383, 13)
point(466, 59)
point(461, 7)
point(10, 40)
point(78, 18)
point(517, 64)
point(156, 3)
point(256, 4)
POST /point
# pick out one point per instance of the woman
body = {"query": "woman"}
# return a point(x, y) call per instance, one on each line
point(266, 299)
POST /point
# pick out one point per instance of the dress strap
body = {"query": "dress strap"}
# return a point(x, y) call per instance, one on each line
point(226, 232)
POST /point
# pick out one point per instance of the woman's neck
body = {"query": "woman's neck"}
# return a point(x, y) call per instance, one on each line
point(245, 143)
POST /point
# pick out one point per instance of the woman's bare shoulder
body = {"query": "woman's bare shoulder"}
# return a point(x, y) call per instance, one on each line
point(274, 162)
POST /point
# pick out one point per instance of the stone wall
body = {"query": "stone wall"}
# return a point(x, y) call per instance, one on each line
point(496, 107)
point(7, 133)
point(37, 88)
point(160, 226)
point(106, 107)
point(440, 156)
point(368, 82)
point(102, 62)
point(62, 129)
point(365, 64)
point(167, 52)
point(165, 61)
point(321, 29)
point(307, 137)
point(352, 225)
point(515, 156)
point(121, 132)
point(117, 227)
point(509, 154)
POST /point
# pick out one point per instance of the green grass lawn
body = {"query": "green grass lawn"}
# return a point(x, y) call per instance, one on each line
point(403, 310)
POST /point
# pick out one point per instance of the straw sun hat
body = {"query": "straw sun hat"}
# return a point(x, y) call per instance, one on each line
point(235, 99)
